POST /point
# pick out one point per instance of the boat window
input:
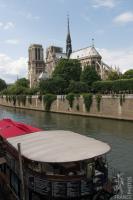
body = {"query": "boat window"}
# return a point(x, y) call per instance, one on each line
point(90, 170)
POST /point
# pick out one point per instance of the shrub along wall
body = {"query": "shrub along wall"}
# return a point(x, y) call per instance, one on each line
point(118, 86)
point(107, 106)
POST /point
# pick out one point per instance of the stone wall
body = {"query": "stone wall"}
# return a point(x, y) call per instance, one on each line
point(110, 107)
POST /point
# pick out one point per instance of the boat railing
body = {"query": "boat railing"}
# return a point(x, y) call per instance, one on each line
point(112, 183)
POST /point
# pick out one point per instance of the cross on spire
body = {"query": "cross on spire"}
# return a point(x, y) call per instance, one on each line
point(93, 42)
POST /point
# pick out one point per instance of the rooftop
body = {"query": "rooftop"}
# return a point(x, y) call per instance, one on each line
point(85, 52)
point(59, 146)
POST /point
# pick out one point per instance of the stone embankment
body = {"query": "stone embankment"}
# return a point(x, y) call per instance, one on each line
point(110, 106)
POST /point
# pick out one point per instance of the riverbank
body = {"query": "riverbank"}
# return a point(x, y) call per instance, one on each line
point(109, 107)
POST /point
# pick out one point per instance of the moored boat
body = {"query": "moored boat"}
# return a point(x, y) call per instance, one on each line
point(37, 164)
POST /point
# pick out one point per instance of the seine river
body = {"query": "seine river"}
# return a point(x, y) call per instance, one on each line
point(118, 134)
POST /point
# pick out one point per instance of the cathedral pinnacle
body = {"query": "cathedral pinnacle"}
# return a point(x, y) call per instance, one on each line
point(93, 42)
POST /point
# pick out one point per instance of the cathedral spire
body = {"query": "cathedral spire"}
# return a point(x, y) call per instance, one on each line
point(68, 24)
point(68, 39)
point(93, 42)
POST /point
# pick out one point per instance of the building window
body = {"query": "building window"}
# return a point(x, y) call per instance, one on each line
point(36, 53)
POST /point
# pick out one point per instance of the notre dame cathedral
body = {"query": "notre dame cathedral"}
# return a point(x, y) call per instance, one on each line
point(42, 68)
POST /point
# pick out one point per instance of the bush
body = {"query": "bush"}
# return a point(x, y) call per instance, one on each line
point(98, 101)
point(14, 99)
point(128, 74)
point(54, 86)
point(88, 99)
point(48, 99)
point(102, 86)
point(30, 99)
point(70, 97)
point(118, 86)
point(123, 85)
point(40, 98)
point(21, 99)
point(122, 99)
point(77, 87)
point(68, 70)
point(89, 75)
point(77, 107)
point(3, 85)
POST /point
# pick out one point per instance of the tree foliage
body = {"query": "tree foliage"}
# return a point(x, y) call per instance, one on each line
point(88, 99)
point(117, 86)
point(128, 74)
point(70, 97)
point(18, 90)
point(113, 75)
point(89, 75)
point(68, 70)
point(77, 87)
point(98, 101)
point(3, 84)
point(48, 99)
point(22, 82)
point(54, 86)
point(102, 86)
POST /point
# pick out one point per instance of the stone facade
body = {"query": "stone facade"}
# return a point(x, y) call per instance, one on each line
point(87, 56)
point(36, 64)
point(53, 54)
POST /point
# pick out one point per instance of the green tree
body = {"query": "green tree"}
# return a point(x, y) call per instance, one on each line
point(54, 86)
point(22, 82)
point(77, 87)
point(3, 84)
point(128, 74)
point(89, 75)
point(113, 75)
point(68, 70)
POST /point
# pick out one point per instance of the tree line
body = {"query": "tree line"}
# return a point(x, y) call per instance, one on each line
point(68, 77)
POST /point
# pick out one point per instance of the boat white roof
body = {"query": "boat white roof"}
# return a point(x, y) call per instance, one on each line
point(85, 52)
point(58, 146)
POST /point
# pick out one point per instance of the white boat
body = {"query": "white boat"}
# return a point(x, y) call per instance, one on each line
point(54, 165)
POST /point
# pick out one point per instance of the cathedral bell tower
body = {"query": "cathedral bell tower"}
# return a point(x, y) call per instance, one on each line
point(68, 40)
point(36, 63)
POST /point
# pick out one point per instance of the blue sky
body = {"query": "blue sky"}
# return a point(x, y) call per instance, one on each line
point(109, 22)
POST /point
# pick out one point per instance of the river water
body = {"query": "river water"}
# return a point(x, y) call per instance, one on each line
point(118, 134)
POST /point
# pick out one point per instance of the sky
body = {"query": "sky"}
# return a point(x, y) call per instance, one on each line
point(24, 22)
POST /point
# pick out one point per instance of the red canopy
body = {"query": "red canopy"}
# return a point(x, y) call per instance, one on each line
point(10, 128)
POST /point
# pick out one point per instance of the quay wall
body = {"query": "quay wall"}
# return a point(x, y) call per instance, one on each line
point(110, 107)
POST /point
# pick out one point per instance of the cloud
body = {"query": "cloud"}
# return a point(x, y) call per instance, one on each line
point(12, 41)
point(124, 18)
point(7, 25)
point(104, 3)
point(119, 58)
point(11, 68)
point(29, 15)
point(1, 24)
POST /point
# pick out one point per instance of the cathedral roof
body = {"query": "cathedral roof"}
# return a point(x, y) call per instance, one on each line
point(61, 55)
point(85, 52)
